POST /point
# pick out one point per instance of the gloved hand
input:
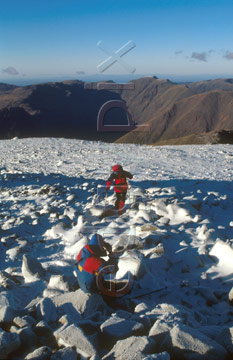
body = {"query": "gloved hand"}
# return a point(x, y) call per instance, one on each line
point(114, 262)
point(108, 247)
point(116, 267)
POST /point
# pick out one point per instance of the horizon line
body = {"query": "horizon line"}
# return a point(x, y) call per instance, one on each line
point(60, 78)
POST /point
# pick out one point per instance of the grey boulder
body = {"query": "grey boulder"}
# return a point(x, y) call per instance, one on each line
point(160, 356)
point(230, 296)
point(24, 321)
point(225, 338)
point(32, 269)
point(116, 328)
point(7, 314)
point(73, 336)
point(66, 353)
point(159, 331)
point(184, 342)
point(85, 304)
point(9, 342)
point(46, 310)
point(42, 353)
point(28, 339)
point(131, 348)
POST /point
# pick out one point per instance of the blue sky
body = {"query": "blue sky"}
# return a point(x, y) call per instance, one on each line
point(58, 38)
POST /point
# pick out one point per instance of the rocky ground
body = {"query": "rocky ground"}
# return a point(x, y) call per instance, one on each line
point(176, 234)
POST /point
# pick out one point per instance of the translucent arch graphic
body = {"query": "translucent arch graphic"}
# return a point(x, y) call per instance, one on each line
point(114, 104)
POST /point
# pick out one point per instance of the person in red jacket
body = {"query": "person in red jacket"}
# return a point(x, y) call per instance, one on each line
point(119, 176)
point(90, 263)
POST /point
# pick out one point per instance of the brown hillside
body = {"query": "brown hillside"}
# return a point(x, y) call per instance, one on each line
point(153, 96)
point(209, 85)
point(196, 114)
point(213, 137)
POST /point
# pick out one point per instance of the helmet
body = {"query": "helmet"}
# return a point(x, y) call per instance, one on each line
point(98, 240)
point(117, 167)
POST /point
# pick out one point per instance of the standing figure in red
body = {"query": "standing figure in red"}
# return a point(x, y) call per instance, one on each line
point(121, 185)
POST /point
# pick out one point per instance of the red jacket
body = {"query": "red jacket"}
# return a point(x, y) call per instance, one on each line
point(119, 176)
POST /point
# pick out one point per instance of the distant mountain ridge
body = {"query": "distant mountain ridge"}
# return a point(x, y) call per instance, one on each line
point(209, 85)
point(171, 111)
point(6, 87)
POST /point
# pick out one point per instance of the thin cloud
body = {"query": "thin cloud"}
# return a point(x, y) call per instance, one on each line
point(80, 72)
point(10, 71)
point(228, 55)
point(199, 56)
point(178, 52)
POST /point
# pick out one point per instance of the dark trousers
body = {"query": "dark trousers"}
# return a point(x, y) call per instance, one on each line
point(120, 200)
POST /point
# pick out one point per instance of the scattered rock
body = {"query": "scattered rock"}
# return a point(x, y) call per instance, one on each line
point(31, 307)
point(45, 335)
point(184, 342)
point(70, 213)
point(70, 310)
point(9, 342)
point(131, 348)
point(148, 227)
point(116, 328)
point(73, 336)
point(144, 320)
point(13, 253)
point(24, 321)
point(208, 294)
point(43, 329)
point(58, 282)
point(230, 296)
point(13, 329)
point(42, 353)
point(212, 331)
point(66, 353)
point(65, 320)
point(123, 314)
point(46, 310)
point(223, 254)
point(83, 303)
point(225, 338)
point(52, 292)
point(7, 281)
point(146, 215)
point(28, 339)
point(177, 313)
point(172, 313)
point(70, 197)
point(159, 331)
point(95, 357)
point(159, 250)
point(7, 314)
point(11, 298)
point(161, 356)
point(89, 327)
point(32, 269)
point(141, 308)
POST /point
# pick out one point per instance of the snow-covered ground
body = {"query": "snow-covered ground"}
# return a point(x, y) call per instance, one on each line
point(177, 232)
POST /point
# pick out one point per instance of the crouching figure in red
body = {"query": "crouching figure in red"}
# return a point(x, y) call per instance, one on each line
point(119, 176)
point(89, 263)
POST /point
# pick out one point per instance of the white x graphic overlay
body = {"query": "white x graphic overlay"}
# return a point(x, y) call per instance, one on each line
point(116, 57)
